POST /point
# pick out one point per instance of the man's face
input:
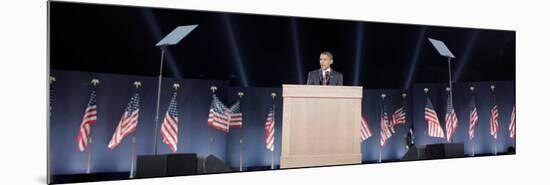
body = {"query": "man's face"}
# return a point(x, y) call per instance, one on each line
point(325, 61)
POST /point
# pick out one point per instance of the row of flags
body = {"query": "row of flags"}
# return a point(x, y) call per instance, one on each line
point(224, 118)
point(434, 128)
point(451, 120)
point(220, 117)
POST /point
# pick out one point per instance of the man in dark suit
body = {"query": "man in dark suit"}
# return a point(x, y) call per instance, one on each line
point(325, 75)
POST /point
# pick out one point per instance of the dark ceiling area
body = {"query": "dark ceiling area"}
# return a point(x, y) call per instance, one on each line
point(267, 51)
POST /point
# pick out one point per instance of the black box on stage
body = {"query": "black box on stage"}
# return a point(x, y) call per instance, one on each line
point(151, 166)
point(444, 150)
point(166, 165)
point(211, 164)
point(412, 154)
point(181, 164)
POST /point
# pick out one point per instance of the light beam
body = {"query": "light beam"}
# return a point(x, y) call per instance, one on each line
point(420, 39)
point(235, 50)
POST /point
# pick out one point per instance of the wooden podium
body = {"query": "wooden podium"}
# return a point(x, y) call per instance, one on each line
point(321, 125)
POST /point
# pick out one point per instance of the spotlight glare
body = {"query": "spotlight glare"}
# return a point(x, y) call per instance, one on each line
point(297, 58)
point(235, 50)
point(419, 41)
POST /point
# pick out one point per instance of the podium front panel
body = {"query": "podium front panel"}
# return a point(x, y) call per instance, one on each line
point(321, 125)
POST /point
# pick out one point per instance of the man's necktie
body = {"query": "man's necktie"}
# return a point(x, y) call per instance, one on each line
point(325, 78)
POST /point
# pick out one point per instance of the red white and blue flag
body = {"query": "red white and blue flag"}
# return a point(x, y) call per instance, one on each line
point(89, 118)
point(512, 127)
point(430, 116)
point(451, 119)
point(473, 118)
point(235, 115)
point(399, 117)
point(169, 126)
point(128, 122)
point(385, 132)
point(219, 115)
point(494, 121)
point(365, 129)
point(270, 129)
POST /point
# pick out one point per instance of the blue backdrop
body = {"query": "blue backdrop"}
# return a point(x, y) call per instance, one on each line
point(72, 90)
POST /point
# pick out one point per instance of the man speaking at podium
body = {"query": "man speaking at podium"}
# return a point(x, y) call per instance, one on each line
point(325, 75)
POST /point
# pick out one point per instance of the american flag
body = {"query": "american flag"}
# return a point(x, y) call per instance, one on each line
point(365, 129)
point(494, 121)
point(236, 116)
point(451, 119)
point(270, 130)
point(128, 122)
point(218, 117)
point(434, 127)
point(473, 118)
point(385, 132)
point(169, 127)
point(512, 126)
point(398, 117)
point(89, 118)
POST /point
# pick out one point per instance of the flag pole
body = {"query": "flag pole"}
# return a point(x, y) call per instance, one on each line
point(473, 141)
point(450, 136)
point(176, 87)
point(381, 146)
point(210, 142)
point(380, 153)
point(425, 131)
point(273, 95)
point(132, 154)
point(473, 147)
point(450, 81)
point(450, 94)
point(50, 89)
point(272, 159)
point(493, 125)
point(241, 94)
point(404, 96)
point(158, 98)
point(241, 149)
point(211, 137)
point(89, 156)
point(94, 82)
